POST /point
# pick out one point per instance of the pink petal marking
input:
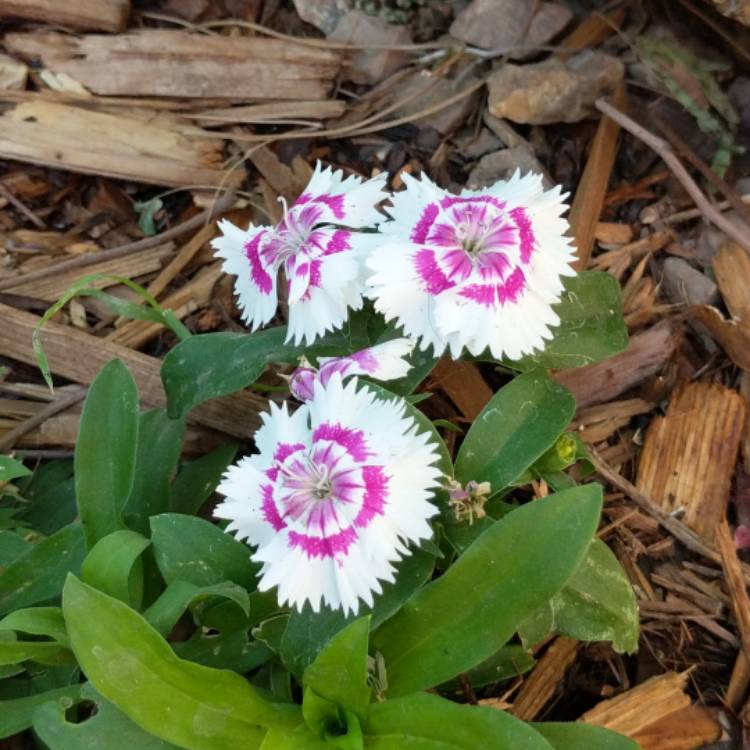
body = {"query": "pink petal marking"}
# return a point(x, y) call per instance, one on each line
point(493, 265)
point(454, 200)
point(526, 238)
point(338, 242)
point(258, 273)
point(433, 278)
point(302, 383)
point(282, 452)
point(482, 294)
point(353, 441)
point(488, 294)
point(511, 289)
point(333, 546)
point(269, 510)
point(426, 220)
point(443, 235)
point(334, 202)
point(376, 489)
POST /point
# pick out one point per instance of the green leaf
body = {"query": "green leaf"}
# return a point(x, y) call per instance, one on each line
point(159, 447)
point(114, 566)
point(164, 613)
point(38, 575)
point(224, 651)
point(44, 621)
point(428, 722)
point(591, 324)
point(12, 546)
point(509, 661)
point(11, 469)
point(198, 479)
point(308, 632)
point(192, 549)
point(596, 604)
point(106, 451)
point(51, 497)
point(519, 563)
point(181, 702)
point(146, 211)
point(339, 672)
point(107, 729)
point(522, 420)
point(216, 364)
point(16, 715)
point(575, 736)
point(300, 738)
point(44, 652)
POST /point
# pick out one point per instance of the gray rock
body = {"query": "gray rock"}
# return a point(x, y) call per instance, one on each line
point(500, 165)
point(473, 146)
point(683, 284)
point(553, 91)
point(371, 66)
point(500, 24)
point(324, 14)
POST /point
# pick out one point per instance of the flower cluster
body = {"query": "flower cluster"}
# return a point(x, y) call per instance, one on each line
point(342, 486)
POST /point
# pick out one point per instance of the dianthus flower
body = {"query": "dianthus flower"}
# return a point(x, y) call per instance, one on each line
point(321, 256)
point(380, 362)
point(337, 491)
point(480, 270)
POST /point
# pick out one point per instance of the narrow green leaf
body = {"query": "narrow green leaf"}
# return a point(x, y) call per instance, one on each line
point(591, 324)
point(198, 479)
point(576, 736)
point(428, 722)
point(522, 421)
point(192, 549)
point(44, 621)
point(11, 469)
point(293, 739)
point(114, 566)
point(308, 632)
point(596, 604)
point(44, 652)
point(519, 563)
point(12, 546)
point(107, 729)
point(159, 447)
point(37, 576)
point(339, 672)
point(106, 450)
point(181, 702)
point(16, 715)
point(509, 661)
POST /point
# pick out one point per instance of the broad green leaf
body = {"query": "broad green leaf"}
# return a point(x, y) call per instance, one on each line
point(181, 702)
point(11, 469)
point(114, 566)
point(106, 451)
point(216, 364)
point(37, 576)
point(509, 661)
point(191, 549)
point(107, 729)
point(428, 722)
point(591, 324)
point(44, 621)
point(523, 420)
point(293, 739)
point(339, 672)
point(577, 736)
point(164, 613)
point(16, 715)
point(224, 651)
point(339, 728)
point(307, 632)
point(198, 479)
point(12, 546)
point(44, 652)
point(596, 604)
point(159, 446)
point(51, 496)
point(473, 609)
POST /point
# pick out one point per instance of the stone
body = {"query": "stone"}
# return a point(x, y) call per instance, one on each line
point(436, 91)
point(499, 24)
point(473, 146)
point(553, 91)
point(503, 131)
point(371, 66)
point(711, 239)
point(324, 14)
point(683, 284)
point(500, 165)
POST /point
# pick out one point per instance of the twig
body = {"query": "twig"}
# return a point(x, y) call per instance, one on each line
point(735, 583)
point(222, 204)
point(666, 153)
point(54, 407)
point(22, 207)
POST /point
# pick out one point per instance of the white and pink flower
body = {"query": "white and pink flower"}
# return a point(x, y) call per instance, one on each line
point(479, 271)
point(316, 245)
point(337, 491)
point(384, 361)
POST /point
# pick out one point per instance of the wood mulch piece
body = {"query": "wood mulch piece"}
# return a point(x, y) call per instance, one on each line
point(146, 120)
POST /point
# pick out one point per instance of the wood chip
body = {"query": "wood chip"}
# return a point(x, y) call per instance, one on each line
point(732, 270)
point(158, 62)
point(79, 356)
point(687, 729)
point(272, 112)
point(689, 455)
point(99, 15)
point(465, 385)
